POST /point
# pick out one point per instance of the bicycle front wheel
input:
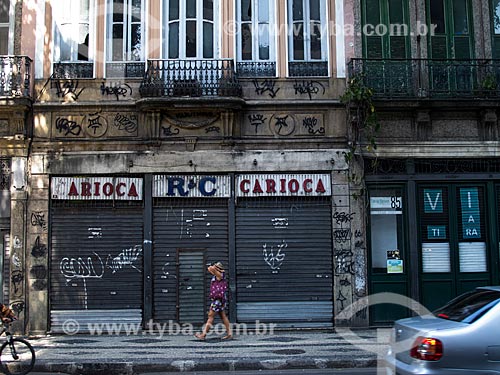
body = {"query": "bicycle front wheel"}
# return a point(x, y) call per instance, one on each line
point(17, 357)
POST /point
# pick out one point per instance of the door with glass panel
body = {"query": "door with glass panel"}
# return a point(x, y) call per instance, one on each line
point(4, 26)
point(307, 38)
point(495, 27)
point(451, 47)
point(387, 68)
point(125, 42)
point(389, 266)
point(454, 247)
point(256, 47)
point(190, 45)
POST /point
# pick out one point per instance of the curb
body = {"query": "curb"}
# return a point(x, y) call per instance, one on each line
point(132, 368)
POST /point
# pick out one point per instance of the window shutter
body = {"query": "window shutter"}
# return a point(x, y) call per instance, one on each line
point(462, 47)
point(374, 47)
point(439, 47)
point(496, 47)
point(435, 229)
point(398, 47)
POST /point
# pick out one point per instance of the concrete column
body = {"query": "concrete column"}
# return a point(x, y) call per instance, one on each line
point(17, 266)
point(37, 258)
point(349, 246)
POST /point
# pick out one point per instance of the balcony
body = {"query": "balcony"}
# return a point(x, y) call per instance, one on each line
point(190, 78)
point(429, 78)
point(73, 70)
point(125, 69)
point(15, 76)
point(256, 69)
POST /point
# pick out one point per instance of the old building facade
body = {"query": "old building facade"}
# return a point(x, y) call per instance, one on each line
point(165, 135)
point(433, 183)
point(144, 139)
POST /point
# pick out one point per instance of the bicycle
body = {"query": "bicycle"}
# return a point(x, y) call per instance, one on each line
point(17, 356)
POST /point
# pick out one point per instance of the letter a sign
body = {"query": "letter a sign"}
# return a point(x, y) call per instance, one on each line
point(471, 218)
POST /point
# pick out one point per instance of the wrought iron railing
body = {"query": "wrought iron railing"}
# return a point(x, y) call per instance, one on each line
point(15, 76)
point(173, 78)
point(72, 70)
point(308, 69)
point(256, 69)
point(125, 69)
point(429, 78)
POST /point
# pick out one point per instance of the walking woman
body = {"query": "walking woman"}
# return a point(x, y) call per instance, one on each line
point(218, 291)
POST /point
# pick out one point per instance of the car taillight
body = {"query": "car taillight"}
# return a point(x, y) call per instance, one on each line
point(427, 349)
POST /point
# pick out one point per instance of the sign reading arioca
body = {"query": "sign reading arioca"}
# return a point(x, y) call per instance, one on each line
point(273, 185)
point(96, 188)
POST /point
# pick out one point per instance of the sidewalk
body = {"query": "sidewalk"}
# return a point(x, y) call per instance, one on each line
point(146, 352)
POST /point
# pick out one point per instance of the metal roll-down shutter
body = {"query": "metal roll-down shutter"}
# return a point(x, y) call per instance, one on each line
point(187, 233)
point(284, 261)
point(96, 266)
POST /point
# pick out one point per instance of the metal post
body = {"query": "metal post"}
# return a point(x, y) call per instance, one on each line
point(148, 249)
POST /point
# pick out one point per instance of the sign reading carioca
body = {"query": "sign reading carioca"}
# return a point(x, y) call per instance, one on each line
point(283, 185)
point(96, 188)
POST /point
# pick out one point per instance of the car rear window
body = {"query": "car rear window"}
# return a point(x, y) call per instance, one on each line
point(469, 307)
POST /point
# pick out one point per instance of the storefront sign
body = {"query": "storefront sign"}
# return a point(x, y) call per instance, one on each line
point(392, 205)
point(96, 188)
point(471, 220)
point(191, 186)
point(283, 185)
point(436, 232)
point(433, 201)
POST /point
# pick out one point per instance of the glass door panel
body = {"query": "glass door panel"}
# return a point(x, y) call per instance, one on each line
point(388, 256)
point(454, 250)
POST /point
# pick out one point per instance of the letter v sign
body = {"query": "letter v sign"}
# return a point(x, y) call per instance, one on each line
point(433, 201)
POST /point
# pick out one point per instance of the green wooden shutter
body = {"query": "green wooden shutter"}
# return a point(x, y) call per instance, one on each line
point(462, 47)
point(373, 43)
point(398, 42)
point(386, 12)
point(439, 47)
point(496, 47)
point(398, 47)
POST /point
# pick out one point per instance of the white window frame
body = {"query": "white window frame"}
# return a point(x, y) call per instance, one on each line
point(182, 20)
point(61, 9)
point(255, 25)
point(9, 25)
point(127, 50)
point(307, 31)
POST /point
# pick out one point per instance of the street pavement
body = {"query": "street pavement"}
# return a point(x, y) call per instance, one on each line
point(148, 352)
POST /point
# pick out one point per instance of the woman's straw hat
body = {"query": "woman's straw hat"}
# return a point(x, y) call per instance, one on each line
point(219, 266)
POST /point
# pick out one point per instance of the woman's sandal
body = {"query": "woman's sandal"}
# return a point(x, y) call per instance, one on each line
point(227, 337)
point(199, 336)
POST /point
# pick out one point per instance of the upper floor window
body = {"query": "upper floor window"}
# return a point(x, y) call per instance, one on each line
point(73, 42)
point(307, 38)
point(4, 26)
point(255, 38)
point(495, 14)
point(451, 21)
point(191, 29)
point(125, 41)
point(385, 29)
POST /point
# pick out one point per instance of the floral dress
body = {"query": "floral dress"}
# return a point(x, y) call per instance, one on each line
point(218, 289)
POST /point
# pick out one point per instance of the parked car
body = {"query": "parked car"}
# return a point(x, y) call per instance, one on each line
point(462, 337)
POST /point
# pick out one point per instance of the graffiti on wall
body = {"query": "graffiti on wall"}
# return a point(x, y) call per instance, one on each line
point(348, 262)
point(67, 89)
point(266, 86)
point(284, 124)
point(118, 90)
point(85, 269)
point(309, 88)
